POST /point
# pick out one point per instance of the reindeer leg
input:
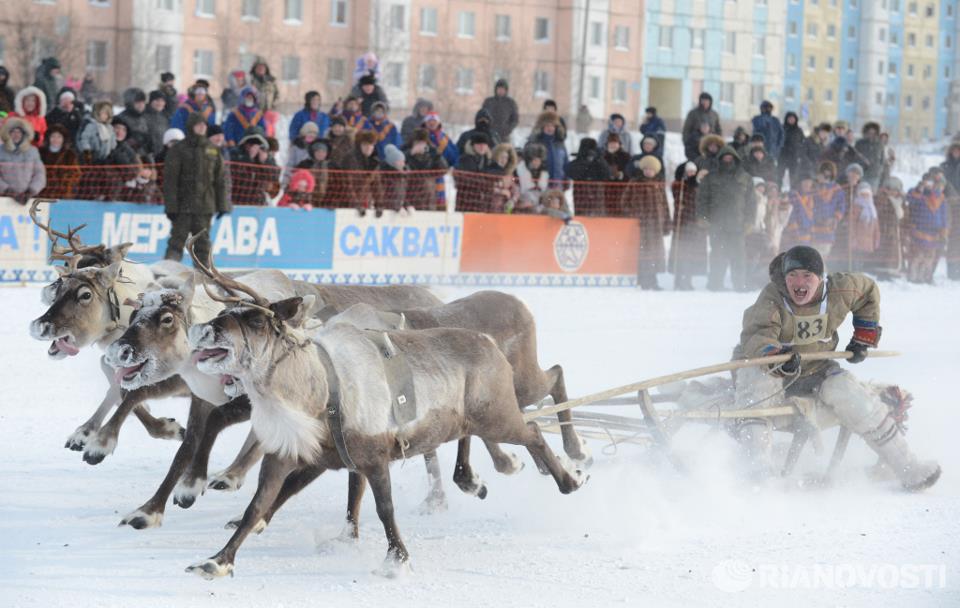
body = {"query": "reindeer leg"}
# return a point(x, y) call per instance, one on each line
point(85, 431)
point(573, 445)
point(292, 485)
point(463, 474)
point(194, 479)
point(232, 478)
point(356, 485)
point(150, 514)
point(397, 554)
point(159, 428)
point(273, 472)
point(503, 462)
point(436, 499)
point(105, 441)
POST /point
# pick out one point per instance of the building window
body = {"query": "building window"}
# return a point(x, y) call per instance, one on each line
point(619, 91)
point(503, 27)
point(336, 70)
point(466, 24)
point(398, 18)
point(791, 61)
point(163, 58)
point(756, 94)
point(809, 93)
point(464, 80)
point(830, 63)
point(851, 64)
point(338, 12)
point(730, 43)
point(811, 63)
point(759, 46)
point(946, 68)
point(792, 28)
point(789, 93)
point(878, 98)
point(949, 10)
point(912, 40)
point(541, 29)
point(912, 9)
point(883, 34)
point(666, 37)
point(894, 39)
point(394, 74)
point(696, 39)
point(165, 5)
point(501, 74)
point(541, 83)
point(206, 8)
point(428, 21)
point(881, 68)
point(293, 11)
point(852, 32)
point(929, 41)
point(96, 55)
point(812, 30)
point(290, 69)
point(927, 72)
point(246, 61)
point(594, 88)
point(596, 34)
point(202, 63)
point(908, 102)
point(895, 6)
point(892, 69)
point(891, 99)
point(727, 91)
point(907, 132)
point(828, 96)
point(909, 70)
point(925, 104)
point(831, 31)
point(250, 10)
point(100, 3)
point(621, 37)
point(848, 96)
point(930, 10)
point(428, 77)
point(948, 41)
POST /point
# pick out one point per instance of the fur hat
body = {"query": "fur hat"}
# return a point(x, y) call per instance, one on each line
point(379, 105)
point(367, 79)
point(649, 162)
point(317, 144)
point(254, 135)
point(613, 137)
point(214, 130)
point(15, 122)
point(712, 138)
point(480, 138)
point(854, 168)
point(533, 150)
point(365, 137)
point(155, 95)
point(547, 118)
point(420, 135)
point(828, 167)
point(511, 157)
point(23, 94)
point(307, 128)
point(338, 120)
point(802, 257)
point(302, 177)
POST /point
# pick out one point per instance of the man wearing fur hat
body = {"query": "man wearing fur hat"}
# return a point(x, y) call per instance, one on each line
point(423, 189)
point(362, 164)
point(22, 174)
point(872, 150)
point(369, 93)
point(701, 120)
point(245, 116)
point(646, 199)
point(546, 132)
point(157, 121)
point(800, 311)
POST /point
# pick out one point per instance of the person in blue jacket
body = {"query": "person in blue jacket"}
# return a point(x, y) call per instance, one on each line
point(197, 101)
point(246, 115)
point(387, 132)
point(766, 124)
point(653, 126)
point(547, 133)
point(311, 112)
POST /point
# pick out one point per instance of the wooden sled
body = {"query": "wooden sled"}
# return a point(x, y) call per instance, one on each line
point(661, 416)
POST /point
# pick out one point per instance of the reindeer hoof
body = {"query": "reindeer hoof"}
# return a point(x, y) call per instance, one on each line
point(78, 439)
point(185, 494)
point(433, 504)
point(226, 483)
point(168, 428)
point(141, 520)
point(512, 466)
point(210, 569)
point(581, 456)
point(99, 448)
point(394, 567)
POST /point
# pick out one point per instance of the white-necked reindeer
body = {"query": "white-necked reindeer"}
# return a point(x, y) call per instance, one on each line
point(313, 398)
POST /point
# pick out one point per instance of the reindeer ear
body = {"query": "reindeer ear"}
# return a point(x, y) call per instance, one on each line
point(187, 288)
point(108, 276)
point(62, 269)
point(289, 310)
point(118, 252)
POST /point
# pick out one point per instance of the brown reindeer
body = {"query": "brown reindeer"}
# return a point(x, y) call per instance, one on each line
point(319, 402)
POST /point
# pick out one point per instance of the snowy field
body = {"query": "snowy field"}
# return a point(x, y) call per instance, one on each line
point(636, 534)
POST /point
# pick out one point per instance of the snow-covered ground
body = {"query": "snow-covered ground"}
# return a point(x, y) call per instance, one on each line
point(636, 534)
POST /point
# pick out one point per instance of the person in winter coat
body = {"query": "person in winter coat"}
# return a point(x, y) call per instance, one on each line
point(618, 125)
point(791, 154)
point(803, 203)
point(96, 139)
point(506, 192)
point(550, 105)
point(649, 146)
point(142, 187)
point(873, 152)
point(474, 186)
point(589, 174)
point(245, 116)
point(170, 138)
point(503, 110)
point(802, 310)
point(482, 123)
point(584, 122)
point(646, 199)
point(68, 113)
point(653, 126)
point(425, 187)
point(61, 162)
point(767, 125)
point(392, 175)
point(157, 122)
point(48, 79)
point(440, 140)
point(341, 141)
point(927, 225)
point(532, 178)
point(369, 93)
point(864, 225)
point(197, 102)
point(22, 174)
point(230, 97)
point(6, 92)
point(169, 94)
point(298, 194)
point(887, 261)
point(688, 247)
point(617, 159)
point(546, 132)
point(318, 164)
point(478, 158)
point(311, 112)
point(842, 153)
point(123, 164)
point(415, 120)
point(951, 172)
point(386, 130)
point(693, 125)
point(364, 183)
point(830, 208)
point(193, 189)
point(726, 206)
point(135, 104)
point(355, 119)
point(759, 164)
point(708, 156)
point(254, 174)
point(30, 104)
point(299, 150)
point(740, 141)
point(264, 82)
point(815, 146)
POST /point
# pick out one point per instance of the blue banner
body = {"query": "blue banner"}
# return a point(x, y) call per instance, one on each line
point(250, 237)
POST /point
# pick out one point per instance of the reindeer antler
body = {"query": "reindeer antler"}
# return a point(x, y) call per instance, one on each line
point(77, 248)
point(231, 286)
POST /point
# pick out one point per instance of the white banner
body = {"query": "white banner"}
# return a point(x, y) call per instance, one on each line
point(23, 246)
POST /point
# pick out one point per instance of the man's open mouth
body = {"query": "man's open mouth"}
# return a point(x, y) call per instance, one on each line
point(209, 355)
point(63, 345)
point(127, 374)
point(800, 293)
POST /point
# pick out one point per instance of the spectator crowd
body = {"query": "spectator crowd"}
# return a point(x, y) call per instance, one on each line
point(735, 203)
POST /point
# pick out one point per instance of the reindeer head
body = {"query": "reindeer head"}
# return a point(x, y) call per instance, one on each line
point(154, 345)
point(99, 259)
point(84, 309)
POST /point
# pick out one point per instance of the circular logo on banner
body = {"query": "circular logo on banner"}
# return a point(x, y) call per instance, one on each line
point(571, 246)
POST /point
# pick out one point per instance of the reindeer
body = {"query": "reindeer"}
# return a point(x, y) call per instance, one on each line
point(324, 403)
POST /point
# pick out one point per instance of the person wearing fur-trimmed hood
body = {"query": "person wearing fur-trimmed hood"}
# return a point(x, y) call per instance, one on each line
point(245, 116)
point(264, 82)
point(22, 174)
point(30, 104)
point(546, 132)
point(618, 125)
